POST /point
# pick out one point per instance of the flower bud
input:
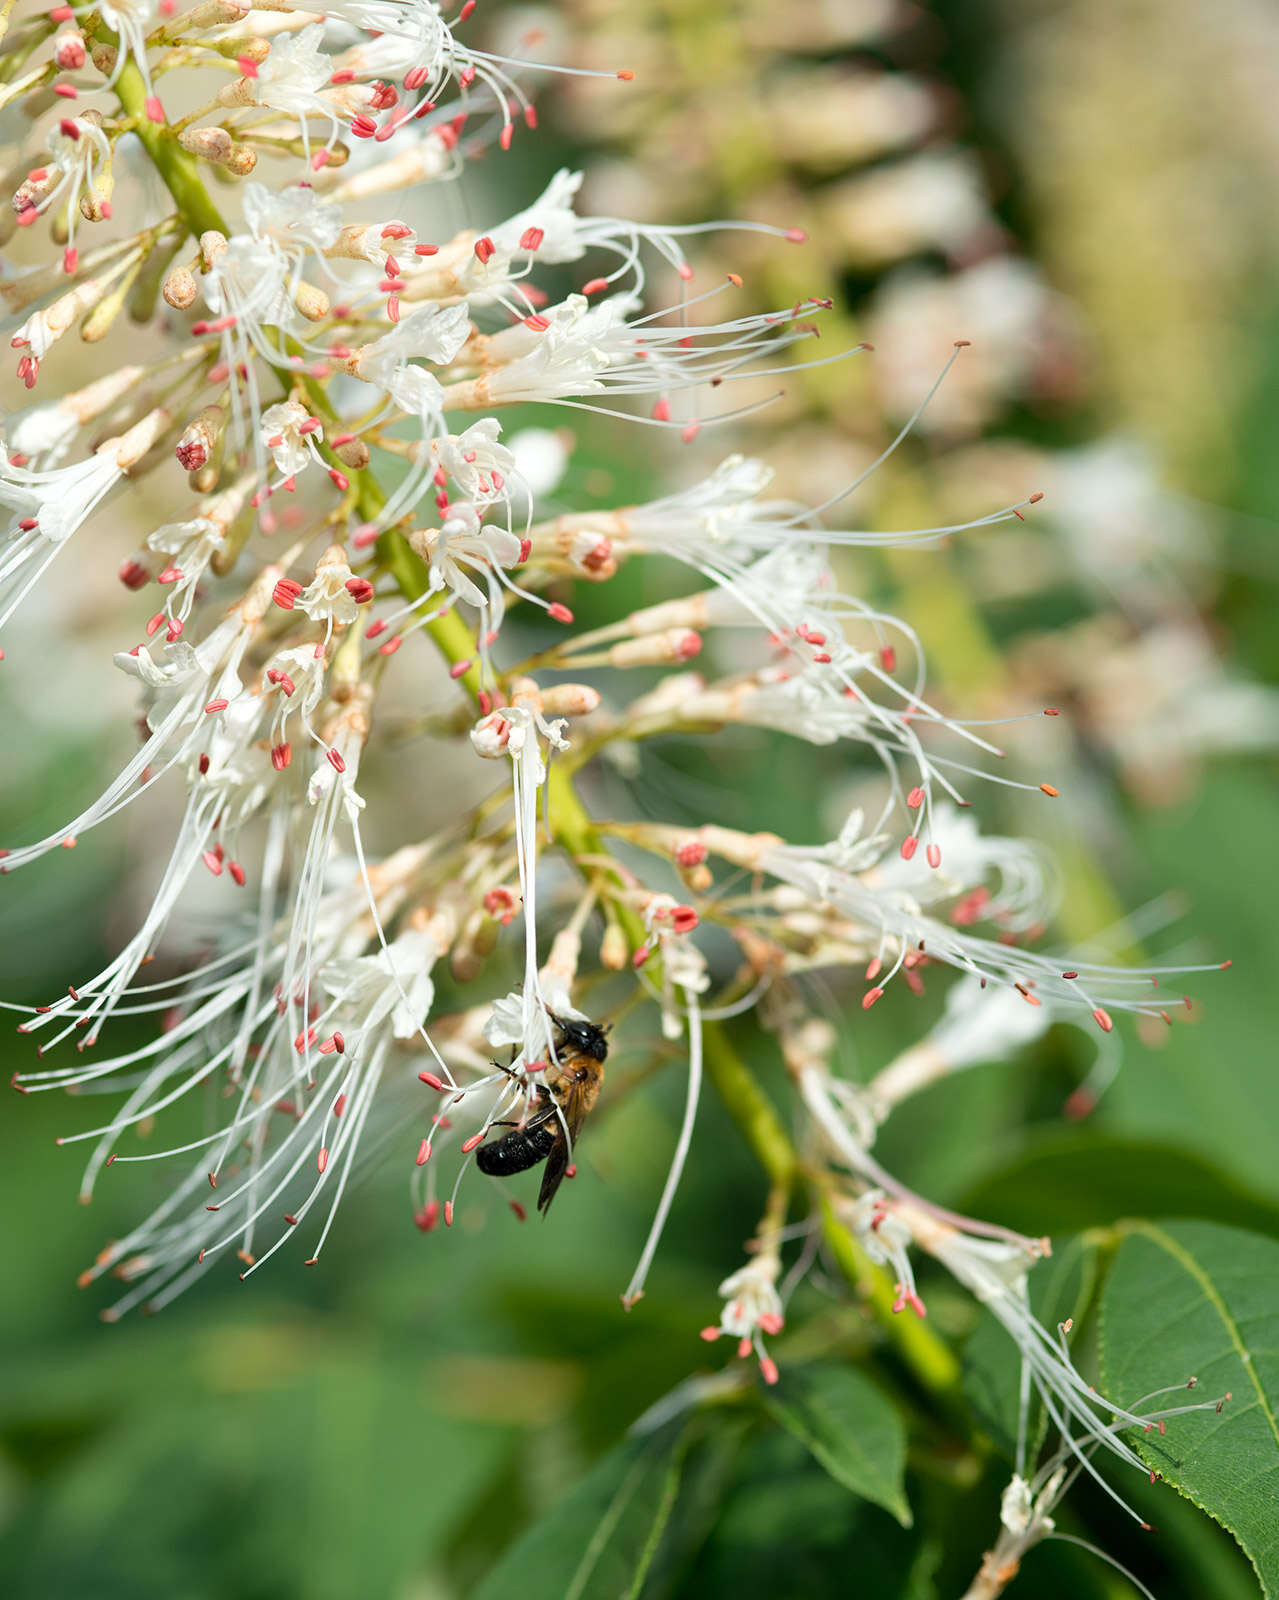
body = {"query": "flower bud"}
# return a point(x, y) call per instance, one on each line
point(68, 49)
point(614, 951)
point(210, 144)
point(570, 700)
point(180, 289)
point(313, 303)
point(656, 649)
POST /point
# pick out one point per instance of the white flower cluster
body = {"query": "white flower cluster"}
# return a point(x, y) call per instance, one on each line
point(325, 344)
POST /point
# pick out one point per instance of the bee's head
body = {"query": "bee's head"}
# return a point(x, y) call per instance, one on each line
point(586, 1038)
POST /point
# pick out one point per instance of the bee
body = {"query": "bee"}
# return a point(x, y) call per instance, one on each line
point(558, 1111)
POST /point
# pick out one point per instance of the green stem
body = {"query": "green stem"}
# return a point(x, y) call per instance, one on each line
point(932, 1362)
point(174, 164)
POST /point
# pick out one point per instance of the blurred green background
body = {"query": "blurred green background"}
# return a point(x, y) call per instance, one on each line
point(387, 1424)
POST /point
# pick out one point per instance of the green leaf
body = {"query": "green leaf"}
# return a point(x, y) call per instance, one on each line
point(598, 1541)
point(850, 1428)
point(1064, 1182)
point(789, 1529)
point(1060, 1288)
point(1197, 1299)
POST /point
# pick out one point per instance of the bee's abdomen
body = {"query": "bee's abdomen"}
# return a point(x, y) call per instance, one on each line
point(518, 1151)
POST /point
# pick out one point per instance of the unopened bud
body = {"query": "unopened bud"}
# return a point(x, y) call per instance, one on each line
point(570, 700)
point(180, 289)
point(351, 452)
point(614, 951)
point(210, 144)
point(200, 437)
point(656, 649)
point(98, 323)
point(68, 50)
point(313, 303)
point(241, 161)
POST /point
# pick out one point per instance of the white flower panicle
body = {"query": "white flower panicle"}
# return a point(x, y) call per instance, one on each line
point(333, 507)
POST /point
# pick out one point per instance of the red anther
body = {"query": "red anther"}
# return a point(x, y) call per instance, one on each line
point(626, 75)
point(507, 134)
point(459, 669)
point(1080, 1104)
point(526, 550)
point(70, 260)
point(322, 1160)
point(216, 705)
point(426, 250)
point(343, 75)
point(391, 285)
point(915, 798)
point(768, 1369)
point(559, 613)
point(376, 627)
point(1049, 790)
point(870, 997)
point(391, 645)
point(363, 537)
point(641, 956)
point(286, 593)
point(595, 286)
point(133, 575)
point(383, 96)
point(237, 873)
point(213, 861)
point(466, 77)
point(335, 760)
point(154, 110)
point(428, 1216)
point(684, 270)
point(934, 855)
point(68, 129)
point(691, 853)
point(423, 1152)
point(1103, 1019)
point(247, 65)
point(319, 160)
point(520, 1214)
point(327, 1048)
point(485, 250)
point(796, 236)
point(360, 590)
point(448, 1213)
point(888, 658)
point(431, 1081)
point(28, 525)
point(690, 431)
point(684, 919)
point(363, 127)
point(26, 216)
point(397, 230)
point(174, 631)
point(469, 1144)
point(466, 10)
point(662, 411)
point(203, 765)
point(1035, 498)
point(909, 846)
point(532, 238)
point(486, 702)
point(537, 323)
point(340, 479)
point(571, 1171)
point(281, 756)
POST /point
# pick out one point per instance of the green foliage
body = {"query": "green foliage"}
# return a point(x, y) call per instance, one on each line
point(1197, 1299)
point(850, 1427)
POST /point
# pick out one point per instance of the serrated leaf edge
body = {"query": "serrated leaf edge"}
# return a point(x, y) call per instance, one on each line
point(1165, 1241)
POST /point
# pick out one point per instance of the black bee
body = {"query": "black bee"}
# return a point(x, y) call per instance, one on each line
point(558, 1111)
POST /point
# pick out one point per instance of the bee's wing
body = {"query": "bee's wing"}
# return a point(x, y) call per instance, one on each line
point(574, 1110)
point(554, 1170)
